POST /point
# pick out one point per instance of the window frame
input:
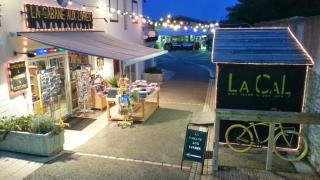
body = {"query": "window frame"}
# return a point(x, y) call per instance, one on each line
point(116, 19)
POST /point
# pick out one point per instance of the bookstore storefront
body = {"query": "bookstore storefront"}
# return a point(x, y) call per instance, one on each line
point(62, 72)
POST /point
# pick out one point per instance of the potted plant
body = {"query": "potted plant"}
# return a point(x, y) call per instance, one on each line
point(153, 74)
point(114, 81)
point(33, 134)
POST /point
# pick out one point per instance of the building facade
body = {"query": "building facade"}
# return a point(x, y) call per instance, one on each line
point(13, 19)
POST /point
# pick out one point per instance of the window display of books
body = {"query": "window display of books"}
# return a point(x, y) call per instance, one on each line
point(50, 87)
point(83, 88)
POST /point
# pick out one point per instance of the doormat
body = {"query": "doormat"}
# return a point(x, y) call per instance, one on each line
point(78, 123)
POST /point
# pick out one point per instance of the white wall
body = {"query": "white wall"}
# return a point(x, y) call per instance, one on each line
point(12, 21)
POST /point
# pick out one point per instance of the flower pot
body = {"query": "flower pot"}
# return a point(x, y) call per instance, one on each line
point(37, 144)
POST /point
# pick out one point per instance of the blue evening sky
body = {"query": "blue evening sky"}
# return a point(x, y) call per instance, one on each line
point(208, 10)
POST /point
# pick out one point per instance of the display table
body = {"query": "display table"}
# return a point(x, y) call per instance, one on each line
point(143, 108)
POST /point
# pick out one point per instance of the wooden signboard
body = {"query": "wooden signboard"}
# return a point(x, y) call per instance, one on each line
point(47, 17)
point(17, 76)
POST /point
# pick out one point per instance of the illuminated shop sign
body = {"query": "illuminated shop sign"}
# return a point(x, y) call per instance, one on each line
point(44, 17)
point(260, 87)
point(46, 51)
point(17, 76)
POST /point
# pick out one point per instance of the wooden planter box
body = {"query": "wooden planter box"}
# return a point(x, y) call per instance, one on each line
point(153, 77)
point(36, 144)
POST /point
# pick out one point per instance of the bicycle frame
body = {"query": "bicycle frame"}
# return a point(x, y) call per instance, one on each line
point(258, 139)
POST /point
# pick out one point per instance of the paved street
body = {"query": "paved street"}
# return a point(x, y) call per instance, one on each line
point(151, 150)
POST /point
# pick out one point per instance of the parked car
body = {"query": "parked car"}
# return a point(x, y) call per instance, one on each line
point(196, 46)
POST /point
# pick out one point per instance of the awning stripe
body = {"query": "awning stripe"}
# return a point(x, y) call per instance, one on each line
point(95, 43)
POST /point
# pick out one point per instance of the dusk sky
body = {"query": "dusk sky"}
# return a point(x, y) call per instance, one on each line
point(207, 10)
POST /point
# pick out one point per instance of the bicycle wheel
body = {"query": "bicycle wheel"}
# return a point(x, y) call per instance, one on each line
point(239, 138)
point(294, 145)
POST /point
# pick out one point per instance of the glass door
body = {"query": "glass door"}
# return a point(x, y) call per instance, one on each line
point(61, 104)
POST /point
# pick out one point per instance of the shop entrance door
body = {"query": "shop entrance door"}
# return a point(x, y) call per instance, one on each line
point(42, 63)
point(59, 64)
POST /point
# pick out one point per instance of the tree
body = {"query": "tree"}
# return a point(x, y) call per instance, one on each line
point(253, 11)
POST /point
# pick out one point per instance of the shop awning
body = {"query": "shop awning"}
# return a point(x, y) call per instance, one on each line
point(95, 43)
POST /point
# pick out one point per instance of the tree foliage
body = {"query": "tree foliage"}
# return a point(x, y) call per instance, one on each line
point(253, 11)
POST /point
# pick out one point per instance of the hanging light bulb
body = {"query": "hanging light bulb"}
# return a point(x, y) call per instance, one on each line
point(169, 16)
point(195, 30)
point(70, 2)
point(118, 12)
point(185, 28)
point(168, 20)
point(144, 21)
point(181, 22)
point(83, 7)
point(161, 19)
point(151, 23)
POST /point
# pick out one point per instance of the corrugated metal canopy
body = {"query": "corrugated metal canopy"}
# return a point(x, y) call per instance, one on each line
point(258, 46)
point(95, 43)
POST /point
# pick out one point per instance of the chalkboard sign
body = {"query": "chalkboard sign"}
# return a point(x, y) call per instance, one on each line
point(18, 76)
point(195, 145)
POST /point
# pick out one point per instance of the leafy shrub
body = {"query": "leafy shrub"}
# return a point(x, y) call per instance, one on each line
point(114, 81)
point(153, 70)
point(39, 124)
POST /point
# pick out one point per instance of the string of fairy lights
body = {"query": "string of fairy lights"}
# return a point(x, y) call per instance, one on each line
point(167, 22)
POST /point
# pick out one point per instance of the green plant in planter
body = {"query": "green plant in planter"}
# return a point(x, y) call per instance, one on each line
point(114, 81)
point(38, 124)
point(153, 70)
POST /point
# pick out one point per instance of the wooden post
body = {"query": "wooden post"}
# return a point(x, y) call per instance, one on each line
point(270, 146)
point(158, 97)
point(108, 110)
point(215, 157)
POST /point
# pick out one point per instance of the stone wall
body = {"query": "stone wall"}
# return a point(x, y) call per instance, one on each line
point(313, 131)
point(307, 31)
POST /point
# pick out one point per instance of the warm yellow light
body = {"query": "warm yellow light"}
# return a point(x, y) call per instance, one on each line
point(25, 43)
point(24, 49)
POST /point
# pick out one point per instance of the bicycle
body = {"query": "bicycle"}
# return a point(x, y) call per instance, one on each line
point(294, 146)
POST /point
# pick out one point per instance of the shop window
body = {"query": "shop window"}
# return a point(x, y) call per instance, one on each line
point(113, 7)
point(135, 10)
